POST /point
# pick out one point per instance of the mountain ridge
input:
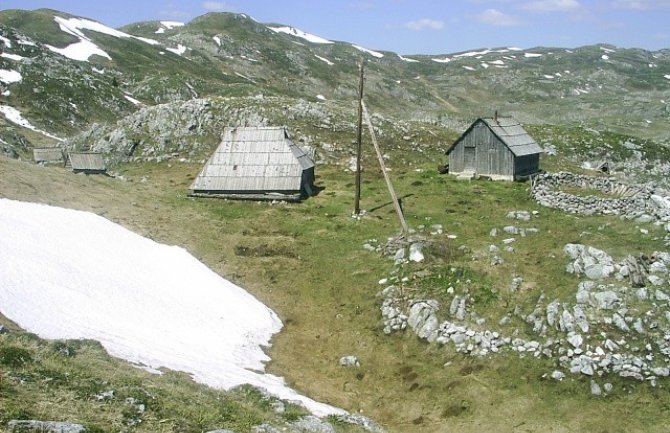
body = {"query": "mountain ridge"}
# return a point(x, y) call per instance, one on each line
point(232, 55)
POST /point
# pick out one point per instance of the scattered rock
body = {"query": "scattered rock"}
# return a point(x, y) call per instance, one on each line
point(45, 426)
point(349, 361)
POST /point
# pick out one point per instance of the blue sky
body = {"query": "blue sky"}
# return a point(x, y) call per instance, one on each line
point(415, 26)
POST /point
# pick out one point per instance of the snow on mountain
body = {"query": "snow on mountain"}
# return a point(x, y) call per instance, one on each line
point(217, 40)
point(168, 25)
point(532, 55)
point(365, 50)
point(68, 274)
point(444, 60)
point(6, 41)
point(300, 34)
point(325, 60)
point(10, 76)
point(405, 59)
point(172, 24)
point(179, 50)
point(132, 100)
point(15, 116)
point(12, 56)
point(80, 51)
point(85, 48)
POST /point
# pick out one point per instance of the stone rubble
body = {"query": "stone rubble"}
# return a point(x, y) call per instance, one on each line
point(597, 333)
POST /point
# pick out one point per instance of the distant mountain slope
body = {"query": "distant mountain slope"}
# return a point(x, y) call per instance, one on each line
point(63, 73)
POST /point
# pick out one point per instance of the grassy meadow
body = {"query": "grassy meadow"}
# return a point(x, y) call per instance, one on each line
point(307, 262)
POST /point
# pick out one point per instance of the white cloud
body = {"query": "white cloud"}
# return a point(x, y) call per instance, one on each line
point(496, 18)
point(552, 5)
point(425, 23)
point(642, 4)
point(217, 6)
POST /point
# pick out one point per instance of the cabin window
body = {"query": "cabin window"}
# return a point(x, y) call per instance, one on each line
point(235, 167)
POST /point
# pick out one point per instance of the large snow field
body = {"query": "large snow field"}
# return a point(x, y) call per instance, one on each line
point(67, 274)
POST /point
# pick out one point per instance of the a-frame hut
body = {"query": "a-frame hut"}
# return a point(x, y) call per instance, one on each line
point(496, 147)
point(86, 162)
point(257, 163)
point(48, 155)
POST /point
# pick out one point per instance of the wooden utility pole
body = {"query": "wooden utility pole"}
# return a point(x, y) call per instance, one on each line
point(359, 134)
point(394, 197)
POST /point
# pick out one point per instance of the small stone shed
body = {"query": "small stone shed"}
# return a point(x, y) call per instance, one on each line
point(496, 147)
point(257, 163)
point(86, 162)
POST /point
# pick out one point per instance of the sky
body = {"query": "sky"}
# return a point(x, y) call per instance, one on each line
point(68, 274)
point(415, 26)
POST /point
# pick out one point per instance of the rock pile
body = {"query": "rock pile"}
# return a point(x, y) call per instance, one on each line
point(610, 327)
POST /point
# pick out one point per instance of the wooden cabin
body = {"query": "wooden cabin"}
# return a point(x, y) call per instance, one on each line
point(86, 162)
point(257, 163)
point(48, 155)
point(496, 147)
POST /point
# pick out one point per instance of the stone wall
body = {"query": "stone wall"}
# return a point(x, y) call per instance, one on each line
point(646, 202)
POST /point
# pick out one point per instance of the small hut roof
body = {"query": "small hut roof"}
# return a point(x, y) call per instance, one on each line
point(48, 154)
point(510, 132)
point(87, 161)
point(254, 159)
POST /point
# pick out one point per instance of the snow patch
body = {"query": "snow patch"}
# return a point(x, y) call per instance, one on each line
point(667, 76)
point(608, 50)
point(497, 62)
point(485, 65)
point(486, 51)
point(80, 51)
point(160, 30)
point(133, 100)
point(85, 48)
point(405, 59)
point(166, 309)
point(321, 97)
point(323, 59)
point(444, 60)
point(605, 57)
point(14, 116)
point(549, 77)
point(365, 50)
point(300, 34)
point(98, 71)
point(11, 56)
point(10, 76)
point(469, 68)
point(6, 41)
point(26, 41)
point(172, 24)
point(179, 50)
point(217, 40)
point(532, 55)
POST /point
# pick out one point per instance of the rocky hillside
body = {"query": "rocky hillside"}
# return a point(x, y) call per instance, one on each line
point(62, 75)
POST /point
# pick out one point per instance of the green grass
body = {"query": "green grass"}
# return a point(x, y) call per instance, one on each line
point(307, 262)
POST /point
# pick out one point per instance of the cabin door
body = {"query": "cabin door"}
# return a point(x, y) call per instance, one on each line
point(469, 158)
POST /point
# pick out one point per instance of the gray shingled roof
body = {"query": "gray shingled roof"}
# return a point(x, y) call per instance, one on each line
point(254, 159)
point(87, 161)
point(513, 135)
point(48, 154)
